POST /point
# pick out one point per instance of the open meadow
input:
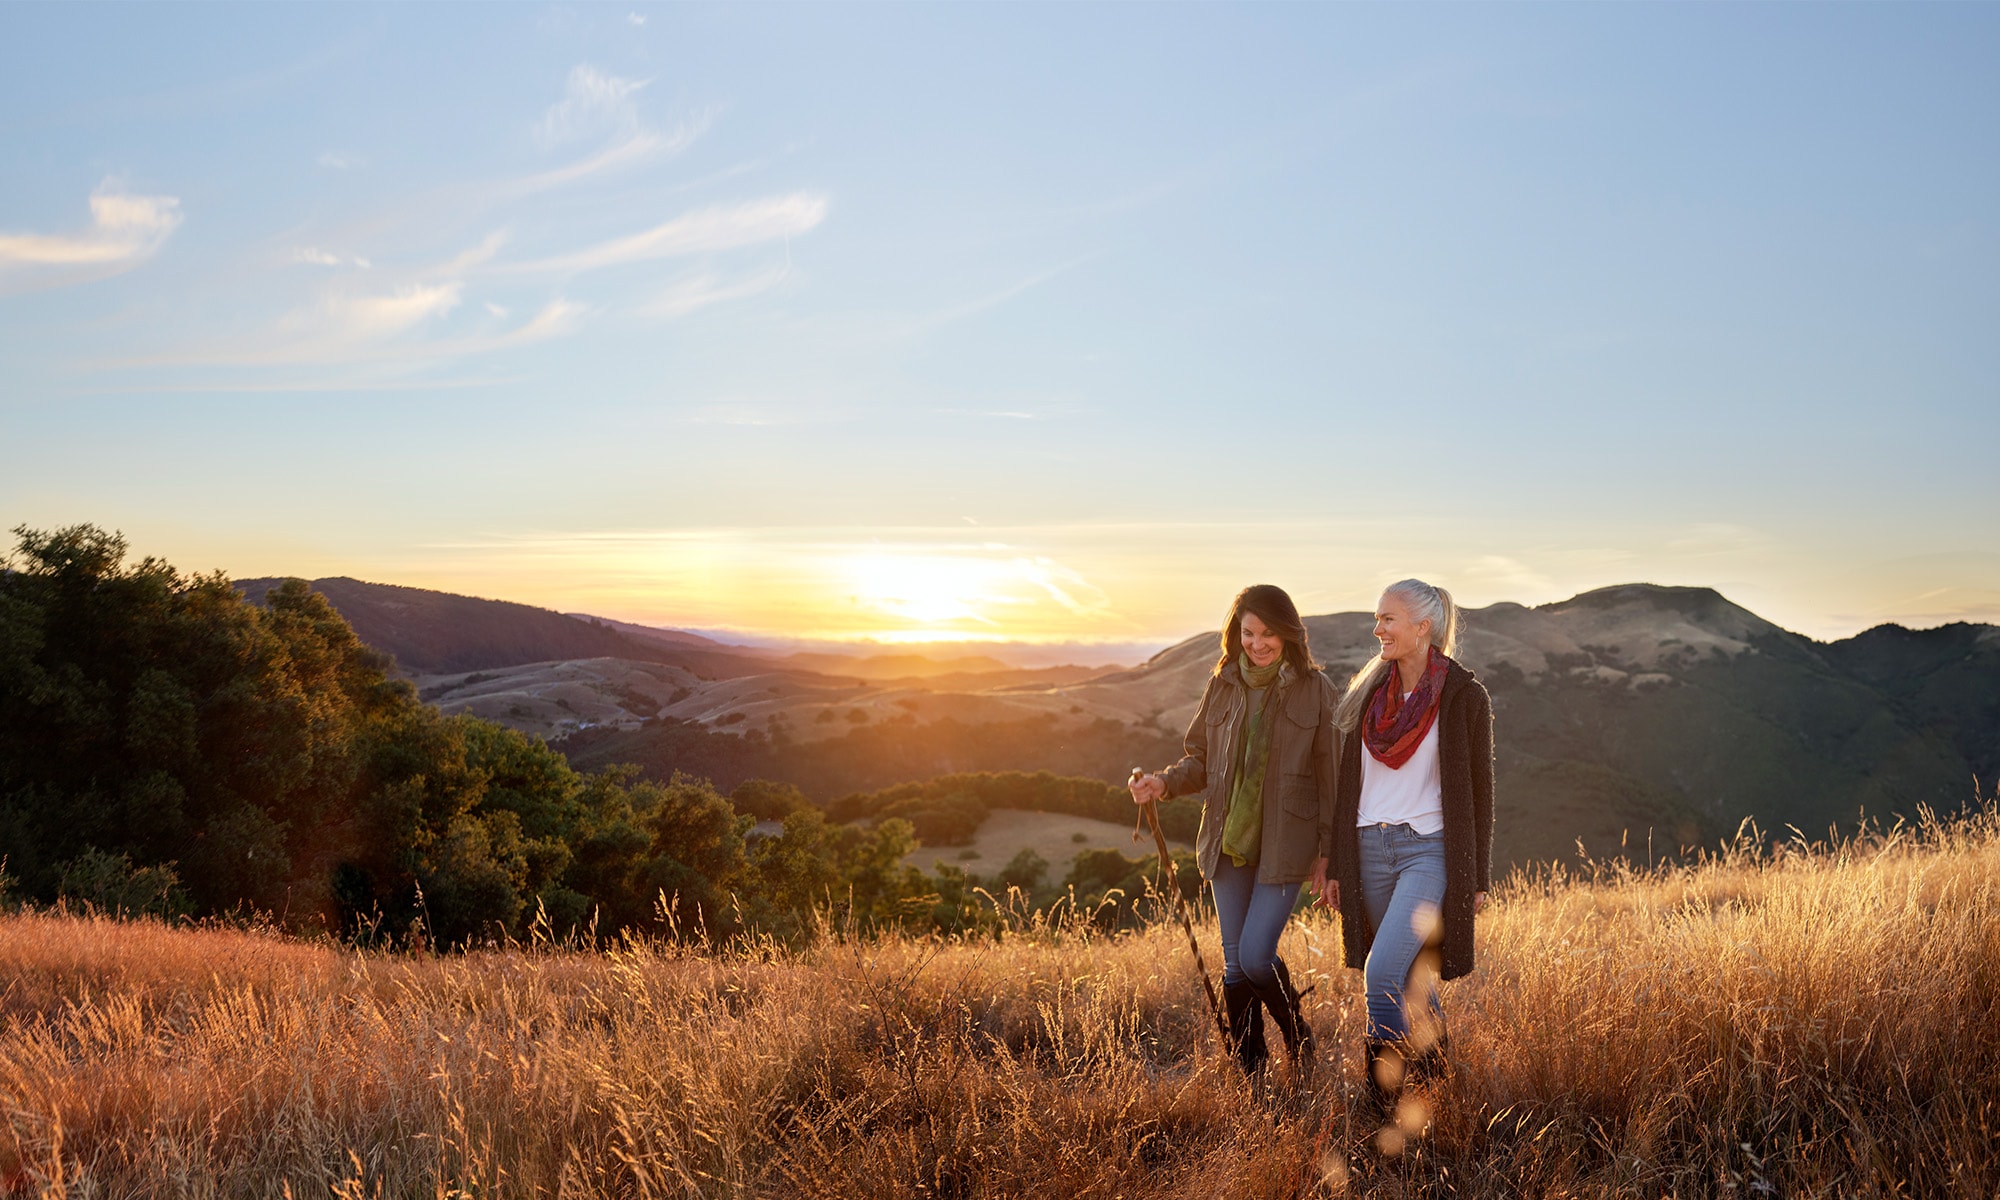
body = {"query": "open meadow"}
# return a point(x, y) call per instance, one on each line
point(1795, 1022)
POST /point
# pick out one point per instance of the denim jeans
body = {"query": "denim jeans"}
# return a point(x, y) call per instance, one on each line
point(1402, 888)
point(1253, 915)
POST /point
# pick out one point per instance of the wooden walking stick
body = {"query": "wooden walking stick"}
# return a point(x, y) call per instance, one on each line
point(1181, 908)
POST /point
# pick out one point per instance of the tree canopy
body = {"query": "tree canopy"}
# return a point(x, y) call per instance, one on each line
point(168, 746)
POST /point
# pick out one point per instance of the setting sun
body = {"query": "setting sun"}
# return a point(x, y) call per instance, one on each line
point(929, 590)
point(945, 595)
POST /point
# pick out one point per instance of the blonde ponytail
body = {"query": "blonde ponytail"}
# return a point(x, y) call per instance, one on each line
point(1426, 603)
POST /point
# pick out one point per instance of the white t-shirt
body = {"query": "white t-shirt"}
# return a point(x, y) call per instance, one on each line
point(1411, 794)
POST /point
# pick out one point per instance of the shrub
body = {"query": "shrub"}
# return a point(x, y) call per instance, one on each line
point(96, 882)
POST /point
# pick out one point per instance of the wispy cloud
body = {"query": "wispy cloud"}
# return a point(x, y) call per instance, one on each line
point(973, 307)
point(1066, 586)
point(748, 413)
point(314, 256)
point(592, 104)
point(557, 318)
point(367, 318)
point(1717, 537)
point(856, 328)
point(684, 296)
point(479, 255)
point(1506, 576)
point(706, 231)
point(362, 309)
point(1002, 414)
point(318, 383)
point(635, 19)
point(126, 229)
point(408, 325)
point(872, 581)
point(636, 146)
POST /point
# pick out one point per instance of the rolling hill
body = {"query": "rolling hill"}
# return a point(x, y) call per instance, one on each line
point(429, 632)
point(1624, 715)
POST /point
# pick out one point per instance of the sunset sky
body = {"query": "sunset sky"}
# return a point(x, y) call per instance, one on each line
point(1041, 322)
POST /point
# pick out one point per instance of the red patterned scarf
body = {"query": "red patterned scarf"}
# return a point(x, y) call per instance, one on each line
point(1392, 726)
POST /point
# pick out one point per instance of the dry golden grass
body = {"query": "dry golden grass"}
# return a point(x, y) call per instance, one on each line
point(1809, 1024)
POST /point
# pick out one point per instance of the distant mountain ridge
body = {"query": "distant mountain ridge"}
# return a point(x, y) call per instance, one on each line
point(1622, 712)
point(429, 632)
point(1672, 708)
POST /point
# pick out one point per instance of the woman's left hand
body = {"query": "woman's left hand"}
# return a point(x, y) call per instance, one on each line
point(1478, 901)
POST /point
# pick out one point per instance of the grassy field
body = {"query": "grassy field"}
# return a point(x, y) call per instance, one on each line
point(1798, 1023)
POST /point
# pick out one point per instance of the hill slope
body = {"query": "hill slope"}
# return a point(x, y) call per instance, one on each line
point(437, 632)
point(1628, 712)
point(1669, 709)
point(1623, 714)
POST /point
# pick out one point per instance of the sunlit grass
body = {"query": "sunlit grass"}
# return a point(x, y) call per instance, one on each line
point(1810, 1022)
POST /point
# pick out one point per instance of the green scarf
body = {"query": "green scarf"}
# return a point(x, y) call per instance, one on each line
point(1243, 827)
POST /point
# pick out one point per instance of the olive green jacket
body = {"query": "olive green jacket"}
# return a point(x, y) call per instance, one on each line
point(1298, 783)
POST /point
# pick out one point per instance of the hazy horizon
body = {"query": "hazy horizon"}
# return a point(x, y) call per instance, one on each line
point(1019, 652)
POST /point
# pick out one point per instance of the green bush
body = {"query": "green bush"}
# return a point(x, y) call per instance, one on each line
point(168, 747)
point(948, 809)
point(109, 883)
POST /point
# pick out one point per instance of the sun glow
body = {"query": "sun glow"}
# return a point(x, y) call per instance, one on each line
point(930, 590)
point(958, 593)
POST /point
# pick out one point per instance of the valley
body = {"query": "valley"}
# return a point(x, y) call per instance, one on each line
point(1635, 718)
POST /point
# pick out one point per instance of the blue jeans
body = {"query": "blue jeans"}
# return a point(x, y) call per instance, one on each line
point(1253, 915)
point(1402, 888)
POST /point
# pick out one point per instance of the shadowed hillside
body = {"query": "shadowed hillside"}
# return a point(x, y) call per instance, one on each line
point(1653, 717)
point(1623, 715)
point(430, 632)
point(1939, 679)
point(1668, 709)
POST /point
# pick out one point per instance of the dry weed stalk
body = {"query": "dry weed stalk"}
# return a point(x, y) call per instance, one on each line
point(1801, 1021)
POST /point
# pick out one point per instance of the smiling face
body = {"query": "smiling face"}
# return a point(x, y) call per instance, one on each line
point(1263, 646)
point(1401, 638)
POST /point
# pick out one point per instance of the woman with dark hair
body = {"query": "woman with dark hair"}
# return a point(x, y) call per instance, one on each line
point(1260, 754)
point(1415, 810)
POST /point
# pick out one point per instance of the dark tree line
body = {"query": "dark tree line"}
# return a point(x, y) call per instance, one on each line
point(947, 810)
point(874, 755)
point(167, 745)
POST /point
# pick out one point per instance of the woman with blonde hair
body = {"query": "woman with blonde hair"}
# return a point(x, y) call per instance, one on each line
point(1260, 754)
point(1415, 788)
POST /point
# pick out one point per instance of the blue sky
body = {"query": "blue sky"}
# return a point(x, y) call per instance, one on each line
point(1031, 321)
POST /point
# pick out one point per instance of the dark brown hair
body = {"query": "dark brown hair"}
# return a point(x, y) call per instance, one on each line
point(1280, 616)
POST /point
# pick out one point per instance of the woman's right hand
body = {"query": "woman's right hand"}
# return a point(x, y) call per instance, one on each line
point(1146, 789)
point(1325, 888)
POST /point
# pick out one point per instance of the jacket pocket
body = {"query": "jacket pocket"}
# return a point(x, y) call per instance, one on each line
point(1303, 707)
point(1300, 795)
point(1292, 750)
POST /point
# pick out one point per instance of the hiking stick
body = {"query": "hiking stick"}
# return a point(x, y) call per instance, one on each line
point(1181, 908)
